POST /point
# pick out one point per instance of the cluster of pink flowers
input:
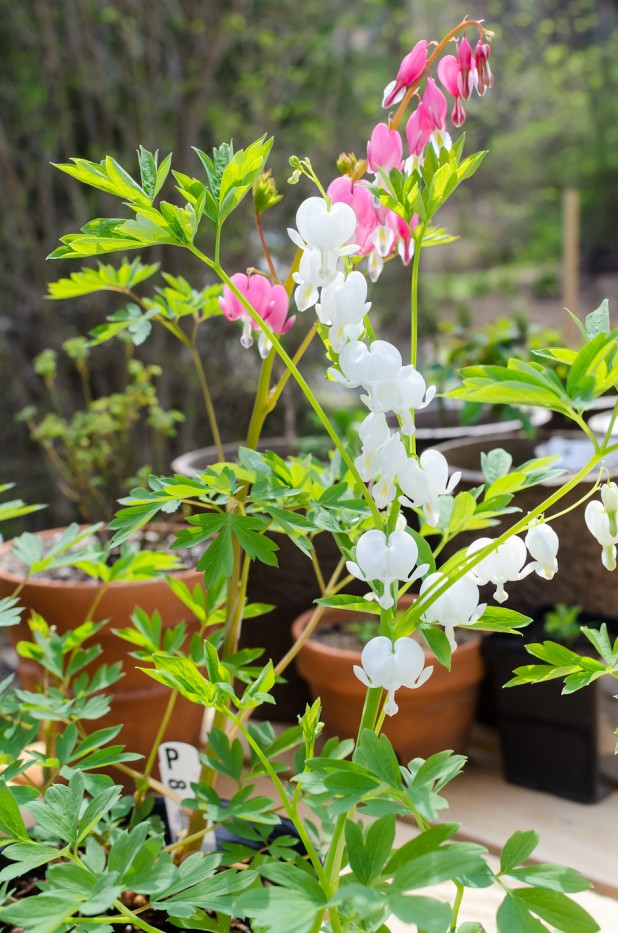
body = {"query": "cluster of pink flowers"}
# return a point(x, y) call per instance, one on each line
point(379, 233)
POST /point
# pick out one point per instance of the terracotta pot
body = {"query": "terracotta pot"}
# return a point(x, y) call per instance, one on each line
point(138, 702)
point(434, 717)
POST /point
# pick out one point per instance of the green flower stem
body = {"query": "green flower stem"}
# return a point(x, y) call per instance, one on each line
point(208, 403)
point(261, 405)
point(610, 427)
point(466, 564)
point(167, 715)
point(456, 906)
point(378, 520)
point(278, 389)
point(289, 809)
point(135, 919)
point(414, 297)
point(370, 708)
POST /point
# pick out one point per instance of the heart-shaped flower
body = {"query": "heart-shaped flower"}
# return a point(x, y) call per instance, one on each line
point(392, 666)
point(323, 227)
point(458, 605)
point(386, 560)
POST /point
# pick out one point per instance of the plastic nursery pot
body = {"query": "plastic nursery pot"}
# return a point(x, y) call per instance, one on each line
point(581, 579)
point(137, 702)
point(432, 718)
point(290, 587)
point(562, 744)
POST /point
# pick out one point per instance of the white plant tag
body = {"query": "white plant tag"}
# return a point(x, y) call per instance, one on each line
point(179, 764)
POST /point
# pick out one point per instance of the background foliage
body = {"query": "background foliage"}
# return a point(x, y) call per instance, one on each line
point(87, 77)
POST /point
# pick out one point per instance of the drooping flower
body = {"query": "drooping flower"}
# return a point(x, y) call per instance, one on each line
point(343, 190)
point(343, 308)
point(458, 605)
point(467, 68)
point(386, 561)
point(271, 302)
point(314, 272)
point(542, 543)
point(448, 73)
point(418, 130)
point(410, 70)
point(504, 565)
point(367, 367)
point(485, 79)
point(392, 666)
point(406, 392)
point(389, 460)
point(424, 481)
point(327, 228)
point(384, 149)
point(435, 106)
point(602, 521)
point(373, 432)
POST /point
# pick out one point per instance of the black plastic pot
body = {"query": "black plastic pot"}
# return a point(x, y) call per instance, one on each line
point(563, 745)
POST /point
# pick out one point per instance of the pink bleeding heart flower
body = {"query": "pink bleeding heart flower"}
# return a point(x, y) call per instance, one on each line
point(404, 235)
point(344, 191)
point(448, 73)
point(435, 106)
point(485, 79)
point(270, 302)
point(418, 130)
point(384, 149)
point(467, 68)
point(410, 70)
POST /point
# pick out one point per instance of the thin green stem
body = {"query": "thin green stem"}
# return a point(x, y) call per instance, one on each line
point(167, 715)
point(457, 905)
point(210, 408)
point(332, 433)
point(289, 809)
point(414, 297)
point(217, 242)
point(135, 919)
point(278, 389)
point(261, 405)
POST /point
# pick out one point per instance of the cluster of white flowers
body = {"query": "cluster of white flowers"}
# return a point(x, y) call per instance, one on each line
point(385, 561)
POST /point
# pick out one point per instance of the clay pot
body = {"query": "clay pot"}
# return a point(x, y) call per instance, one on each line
point(432, 718)
point(138, 702)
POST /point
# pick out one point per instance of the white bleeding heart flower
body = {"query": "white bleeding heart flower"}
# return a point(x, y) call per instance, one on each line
point(406, 392)
point(316, 270)
point(344, 301)
point(609, 497)
point(458, 605)
point(423, 481)
point(602, 524)
point(504, 565)
point(392, 666)
point(324, 227)
point(373, 432)
point(365, 366)
point(542, 543)
point(340, 334)
point(386, 560)
point(389, 459)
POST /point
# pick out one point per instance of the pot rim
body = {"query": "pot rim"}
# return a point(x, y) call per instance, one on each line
point(470, 645)
point(41, 581)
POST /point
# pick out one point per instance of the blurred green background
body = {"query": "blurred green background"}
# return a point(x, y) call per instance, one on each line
point(88, 77)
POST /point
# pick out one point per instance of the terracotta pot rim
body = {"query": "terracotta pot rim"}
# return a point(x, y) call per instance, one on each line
point(470, 646)
point(40, 580)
